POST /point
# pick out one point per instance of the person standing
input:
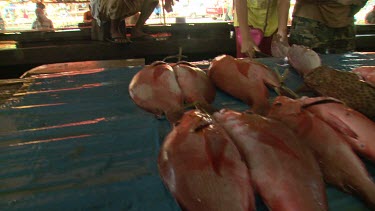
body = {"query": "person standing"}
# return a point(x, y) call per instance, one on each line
point(325, 26)
point(41, 22)
point(87, 16)
point(255, 19)
point(115, 11)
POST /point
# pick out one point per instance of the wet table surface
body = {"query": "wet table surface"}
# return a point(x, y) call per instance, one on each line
point(74, 140)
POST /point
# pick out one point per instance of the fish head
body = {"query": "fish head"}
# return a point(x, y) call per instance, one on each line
point(283, 105)
point(292, 113)
point(303, 59)
point(238, 121)
point(193, 121)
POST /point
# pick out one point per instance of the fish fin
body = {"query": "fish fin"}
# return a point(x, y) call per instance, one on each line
point(340, 126)
point(284, 75)
point(286, 91)
point(278, 74)
point(275, 142)
point(215, 145)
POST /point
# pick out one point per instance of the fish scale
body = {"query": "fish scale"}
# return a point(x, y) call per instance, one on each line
point(345, 86)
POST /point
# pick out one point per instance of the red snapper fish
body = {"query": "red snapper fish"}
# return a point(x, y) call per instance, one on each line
point(202, 167)
point(358, 130)
point(367, 73)
point(194, 83)
point(244, 79)
point(339, 164)
point(284, 172)
point(155, 89)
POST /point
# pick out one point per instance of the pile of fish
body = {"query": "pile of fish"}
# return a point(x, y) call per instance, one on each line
point(285, 151)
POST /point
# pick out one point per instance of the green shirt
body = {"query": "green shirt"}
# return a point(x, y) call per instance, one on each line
point(257, 10)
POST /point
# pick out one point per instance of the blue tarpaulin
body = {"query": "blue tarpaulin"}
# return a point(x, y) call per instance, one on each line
point(76, 141)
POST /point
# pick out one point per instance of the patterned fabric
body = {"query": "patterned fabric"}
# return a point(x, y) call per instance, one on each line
point(330, 12)
point(322, 38)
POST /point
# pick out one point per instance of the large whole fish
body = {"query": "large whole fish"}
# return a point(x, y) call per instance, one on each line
point(244, 79)
point(358, 130)
point(155, 89)
point(202, 167)
point(326, 81)
point(284, 172)
point(194, 83)
point(340, 165)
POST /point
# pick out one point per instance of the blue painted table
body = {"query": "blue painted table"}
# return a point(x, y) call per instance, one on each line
point(75, 141)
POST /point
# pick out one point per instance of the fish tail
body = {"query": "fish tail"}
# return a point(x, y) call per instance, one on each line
point(368, 194)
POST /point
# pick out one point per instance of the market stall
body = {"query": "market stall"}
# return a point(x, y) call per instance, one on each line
point(72, 139)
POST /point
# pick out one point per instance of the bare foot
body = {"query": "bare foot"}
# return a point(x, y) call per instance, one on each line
point(140, 35)
point(118, 38)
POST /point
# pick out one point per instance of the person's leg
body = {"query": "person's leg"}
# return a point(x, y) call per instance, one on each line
point(238, 43)
point(115, 28)
point(111, 12)
point(343, 40)
point(146, 11)
point(116, 35)
point(303, 32)
point(310, 33)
